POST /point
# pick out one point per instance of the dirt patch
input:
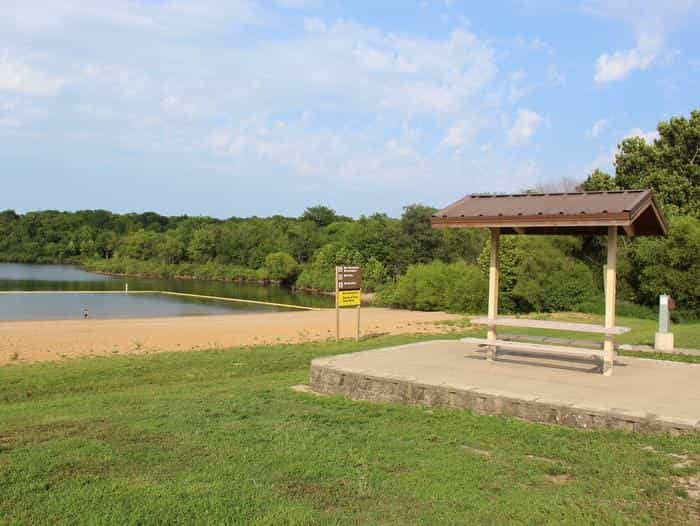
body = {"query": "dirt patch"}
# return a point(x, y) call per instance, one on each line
point(306, 389)
point(543, 459)
point(32, 341)
point(691, 485)
point(324, 496)
point(561, 478)
point(687, 484)
point(477, 451)
point(100, 430)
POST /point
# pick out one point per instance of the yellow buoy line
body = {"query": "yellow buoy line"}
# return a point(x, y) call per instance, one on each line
point(238, 300)
point(79, 292)
point(185, 294)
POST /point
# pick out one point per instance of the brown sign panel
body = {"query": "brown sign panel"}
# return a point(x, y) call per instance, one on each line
point(348, 278)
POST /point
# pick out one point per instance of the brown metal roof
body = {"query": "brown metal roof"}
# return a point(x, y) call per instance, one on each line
point(635, 212)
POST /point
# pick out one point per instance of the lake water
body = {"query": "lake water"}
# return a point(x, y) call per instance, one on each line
point(65, 278)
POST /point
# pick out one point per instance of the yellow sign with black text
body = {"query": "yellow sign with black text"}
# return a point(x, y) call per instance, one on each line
point(348, 298)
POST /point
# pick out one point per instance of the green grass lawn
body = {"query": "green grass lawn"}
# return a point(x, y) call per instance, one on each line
point(687, 334)
point(219, 437)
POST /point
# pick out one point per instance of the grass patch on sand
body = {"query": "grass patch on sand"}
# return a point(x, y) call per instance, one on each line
point(220, 437)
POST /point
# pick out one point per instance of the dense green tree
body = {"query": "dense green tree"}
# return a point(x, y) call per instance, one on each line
point(321, 215)
point(320, 273)
point(461, 244)
point(598, 181)
point(420, 241)
point(304, 238)
point(439, 286)
point(173, 246)
point(375, 237)
point(539, 273)
point(140, 244)
point(202, 245)
point(670, 265)
point(281, 266)
point(670, 165)
point(105, 244)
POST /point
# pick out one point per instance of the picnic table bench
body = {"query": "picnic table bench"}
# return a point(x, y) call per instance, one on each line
point(493, 345)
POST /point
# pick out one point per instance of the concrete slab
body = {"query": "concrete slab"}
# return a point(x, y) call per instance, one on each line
point(642, 394)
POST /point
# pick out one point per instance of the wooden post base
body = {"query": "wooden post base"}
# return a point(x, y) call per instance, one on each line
point(608, 355)
point(491, 353)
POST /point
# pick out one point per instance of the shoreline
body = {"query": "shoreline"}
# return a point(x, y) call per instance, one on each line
point(29, 341)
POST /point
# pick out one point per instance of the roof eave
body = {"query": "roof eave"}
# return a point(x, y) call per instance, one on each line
point(545, 221)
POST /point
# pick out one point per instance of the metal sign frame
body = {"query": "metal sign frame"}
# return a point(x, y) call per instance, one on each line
point(348, 292)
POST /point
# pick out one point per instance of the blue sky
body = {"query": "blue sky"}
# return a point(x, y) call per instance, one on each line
point(246, 107)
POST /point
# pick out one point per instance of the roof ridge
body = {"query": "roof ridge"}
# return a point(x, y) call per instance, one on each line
point(557, 212)
point(543, 194)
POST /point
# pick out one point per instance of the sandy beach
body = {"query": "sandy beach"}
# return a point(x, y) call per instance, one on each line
point(33, 341)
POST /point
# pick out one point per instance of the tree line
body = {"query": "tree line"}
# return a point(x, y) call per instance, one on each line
point(291, 250)
point(408, 262)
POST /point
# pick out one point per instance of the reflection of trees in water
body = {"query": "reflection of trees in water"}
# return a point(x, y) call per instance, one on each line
point(248, 291)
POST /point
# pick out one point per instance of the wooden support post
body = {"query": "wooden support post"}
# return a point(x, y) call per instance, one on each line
point(493, 293)
point(337, 308)
point(610, 287)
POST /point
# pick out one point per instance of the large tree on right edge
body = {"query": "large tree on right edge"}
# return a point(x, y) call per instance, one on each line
point(671, 166)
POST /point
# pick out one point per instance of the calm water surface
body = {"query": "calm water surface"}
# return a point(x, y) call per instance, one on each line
point(28, 277)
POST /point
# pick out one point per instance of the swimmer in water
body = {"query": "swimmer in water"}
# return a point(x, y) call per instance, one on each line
point(85, 313)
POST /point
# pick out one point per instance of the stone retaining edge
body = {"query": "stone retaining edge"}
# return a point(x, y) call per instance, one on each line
point(327, 379)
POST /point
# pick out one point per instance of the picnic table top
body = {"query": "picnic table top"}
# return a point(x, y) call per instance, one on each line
point(549, 324)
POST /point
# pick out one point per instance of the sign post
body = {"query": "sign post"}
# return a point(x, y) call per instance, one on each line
point(348, 284)
point(337, 307)
point(663, 339)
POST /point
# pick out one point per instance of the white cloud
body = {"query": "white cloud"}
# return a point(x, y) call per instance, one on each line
point(618, 65)
point(322, 101)
point(314, 25)
point(647, 15)
point(7, 115)
point(460, 134)
point(554, 76)
point(651, 22)
point(21, 78)
point(19, 111)
point(603, 161)
point(298, 4)
point(649, 137)
point(598, 127)
point(346, 63)
point(166, 17)
point(323, 154)
point(518, 86)
point(533, 44)
point(524, 127)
